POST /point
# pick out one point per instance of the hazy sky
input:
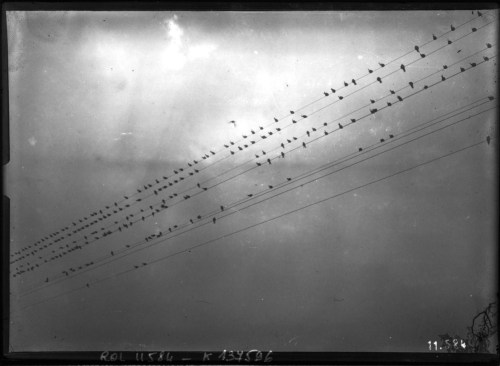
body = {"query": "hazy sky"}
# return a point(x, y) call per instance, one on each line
point(103, 103)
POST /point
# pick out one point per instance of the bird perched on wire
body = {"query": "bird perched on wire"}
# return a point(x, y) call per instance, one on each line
point(304, 144)
point(403, 67)
point(233, 122)
point(452, 27)
point(411, 84)
point(354, 82)
point(488, 139)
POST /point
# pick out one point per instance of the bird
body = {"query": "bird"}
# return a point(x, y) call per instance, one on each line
point(270, 187)
point(292, 112)
point(372, 111)
point(434, 37)
point(422, 55)
point(400, 99)
point(450, 42)
point(294, 121)
point(275, 119)
point(488, 45)
point(263, 137)
point(278, 129)
point(283, 145)
point(250, 195)
point(199, 217)
point(370, 71)
point(459, 51)
point(233, 122)
point(345, 84)
point(326, 94)
point(353, 120)
point(382, 140)
point(443, 78)
point(214, 220)
point(354, 82)
point(379, 80)
point(391, 136)
point(232, 143)
point(222, 208)
point(304, 116)
point(47, 279)
point(258, 164)
point(232, 152)
point(491, 97)
point(325, 124)
point(389, 104)
point(403, 67)
point(282, 154)
point(488, 139)
point(360, 149)
point(340, 126)
point(392, 91)
point(253, 132)
point(289, 179)
point(263, 152)
point(381, 64)
point(372, 101)
point(333, 90)
point(473, 64)
point(269, 161)
point(340, 97)
point(304, 144)
point(445, 67)
point(486, 58)
point(191, 221)
point(462, 69)
point(244, 136)
point(417, 49)
point(411, 84)
point(308, 134)
point(326, 133)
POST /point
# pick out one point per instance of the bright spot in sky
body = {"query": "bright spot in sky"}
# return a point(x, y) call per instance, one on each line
point(360, 57)
point(32, 141)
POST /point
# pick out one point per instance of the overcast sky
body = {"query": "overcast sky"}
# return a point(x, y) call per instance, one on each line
point(103, 103)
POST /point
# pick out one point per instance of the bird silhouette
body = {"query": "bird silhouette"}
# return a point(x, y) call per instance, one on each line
point(391, 136)
point(345, 84)
point(422, 55)
point(488, 45)
point(244, 136)
point(249, 195)
point(333, 90)
point(326, 133)
point(326, 94)
point(240, 148)
point(486, 58)
point(411, 84)
point(434, 37)
point(479, 13)
point(370, 71)
point(382, 140)
point(278, 129)
point(263, 152)
point(232, 143)
point(353, 120)
point(222, 208)
point(403, 67)
point(325, 124)
point(389, 104)
point(304, 116)
point(450, 42)
point(199, 217)
point(354, 82)
point(47, 279)
point(379, 80)
point(304, 144)
point(400, 99)
point(381, 64)
point(452, 27)
point(491, 97)
point(282, 154)
point(340, 97)
point(275, 119)
point(214, 220)
point(360, 149)
point(292, 112)
point(373, 111)
point(340, 126)
point(289, 179)
point(462, 69)
point(269, 161)
point(263, 137)
point(443, 78)
point(308, 134)
point(473, 64)
point(258, 164)
point(417, 49)
point(488, 139)
point(232, 152)
point(283, 145)
point(445, 67)
point(459, 51)
point(270, 187)
point(372, 101)
point(294, 121)
point(392, 91)
point(233, 122)
point(253, 132)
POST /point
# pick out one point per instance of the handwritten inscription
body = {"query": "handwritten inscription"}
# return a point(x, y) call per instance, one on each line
point(254, 356)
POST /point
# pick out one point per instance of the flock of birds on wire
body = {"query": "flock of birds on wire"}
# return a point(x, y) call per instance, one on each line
point(109, 219)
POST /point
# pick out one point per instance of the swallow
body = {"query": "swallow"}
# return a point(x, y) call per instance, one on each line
point(370, 71)
point(353, 120)
point(452, 27)
point(275, 119)
point(411, 84)
point(292, 112)
point(434, 37)
point(403, 67)
point(340, 126)
point(326, 94)
point(294, 121)
point(345, 84)
point(340, 97)
point(381, 64)
point(400, 99)
point(488, 139)
point(379, 80)
point(417, 49)
point(304, 144)
point(354, 82)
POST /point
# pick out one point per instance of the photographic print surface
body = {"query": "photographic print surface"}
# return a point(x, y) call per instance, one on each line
point(287, 181)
